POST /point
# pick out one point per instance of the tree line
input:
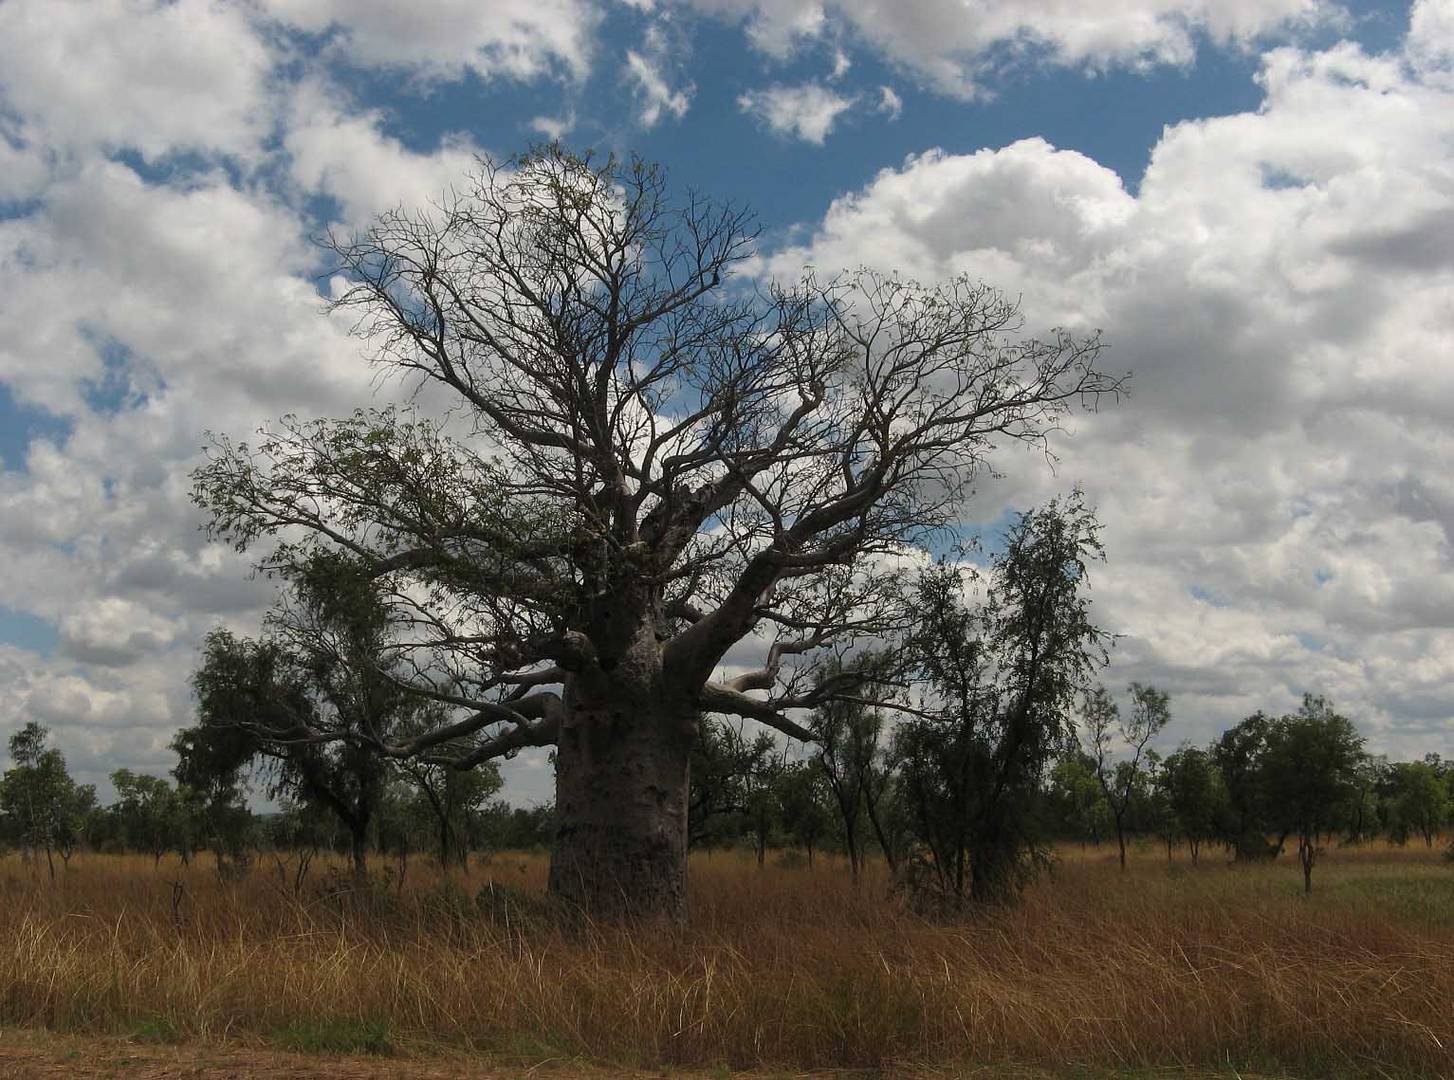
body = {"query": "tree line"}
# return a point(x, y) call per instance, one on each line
point(1268, 785)
point(47, 816)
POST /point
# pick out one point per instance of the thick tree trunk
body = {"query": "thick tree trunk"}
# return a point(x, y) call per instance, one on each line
point(621, 773)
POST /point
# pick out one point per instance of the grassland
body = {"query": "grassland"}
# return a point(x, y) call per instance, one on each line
point(1219, 968)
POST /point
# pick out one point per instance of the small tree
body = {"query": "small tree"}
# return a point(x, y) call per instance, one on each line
point(1246, 818)
point(856, 766)
point(803, 802)
point(1001, 678)
point(37, 794)
point(452, 800)
point(1075, 801)
point(1419, 799)
point(148, 812)
point(723, 758)
point(1194, 795)
point(319, 672)
point(1123, 781)
point(1309, 771)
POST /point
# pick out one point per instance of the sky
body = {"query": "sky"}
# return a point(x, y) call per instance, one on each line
point(1253, 200)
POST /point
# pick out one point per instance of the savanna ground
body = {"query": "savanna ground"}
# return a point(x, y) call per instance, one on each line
point(125, 968)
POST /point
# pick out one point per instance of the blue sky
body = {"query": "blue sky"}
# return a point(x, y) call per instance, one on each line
point(1249, 197)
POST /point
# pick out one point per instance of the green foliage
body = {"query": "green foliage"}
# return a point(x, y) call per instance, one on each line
point(1125, 783)
point(43, 807)
point(1309, 774)
point(338, 1036)
point(1000, 681)
point(1194, 795)
point(1418, 799)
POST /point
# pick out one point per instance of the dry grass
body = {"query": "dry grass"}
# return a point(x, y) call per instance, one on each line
point(1208, 967)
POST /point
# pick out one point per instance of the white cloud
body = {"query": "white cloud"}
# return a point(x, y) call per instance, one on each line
point(952, 44)
point(654, 95)
point(1282, 285)
point(345, 153)
point(113, 632)
point(154, 76)
point(516, 39)
point(890, 103)
point(808, 112)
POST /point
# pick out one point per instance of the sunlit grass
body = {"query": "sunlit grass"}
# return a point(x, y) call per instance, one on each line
point(1214, 966)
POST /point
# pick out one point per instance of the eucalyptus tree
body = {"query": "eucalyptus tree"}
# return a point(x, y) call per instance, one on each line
point(40, 802)
point(1309, 770)
point(309, 699)
point(1001, 678)
point(1194, 795)
point(641, 461)
point(1124, 782)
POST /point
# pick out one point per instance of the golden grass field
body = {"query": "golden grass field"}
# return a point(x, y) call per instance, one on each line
point(1226, 969)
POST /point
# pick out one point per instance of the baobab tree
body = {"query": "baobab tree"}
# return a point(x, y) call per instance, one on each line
point(645, 460)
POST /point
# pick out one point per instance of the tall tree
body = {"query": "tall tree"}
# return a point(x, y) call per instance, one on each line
point(1125, 780)
point(1309, 770)
point(643, 465)
point(1000, 679)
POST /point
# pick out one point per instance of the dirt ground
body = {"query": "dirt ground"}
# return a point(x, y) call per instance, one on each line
point(27, 1054)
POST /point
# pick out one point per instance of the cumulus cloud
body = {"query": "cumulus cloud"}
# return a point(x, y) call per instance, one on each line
point(514, 39)
point(156, 77)
point(952, 44)
point(344, 152)
point(808, 112)
point(1281, 285)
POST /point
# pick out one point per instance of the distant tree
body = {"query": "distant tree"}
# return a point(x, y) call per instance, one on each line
point(1194, 795)
point(452, 800)
point(1123, 782)
point(1075, 801)
point(45, 807)
point(1000, 681)
point(722, 760)
point(148, 812)
point(1246, 817)
point(804, 805)
point(517, 828)
point(1368, 805)
point(854, 756)
point(1309, 771)
point(763, 798)
point(1419, 799)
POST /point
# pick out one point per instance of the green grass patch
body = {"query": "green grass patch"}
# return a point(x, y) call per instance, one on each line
point(334, 1037)
point(156, 1029)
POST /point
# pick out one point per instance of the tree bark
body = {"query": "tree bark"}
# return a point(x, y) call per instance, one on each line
point(621, 769)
